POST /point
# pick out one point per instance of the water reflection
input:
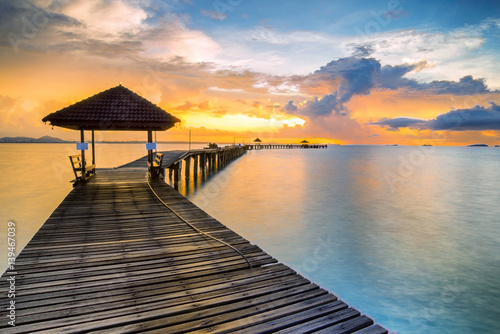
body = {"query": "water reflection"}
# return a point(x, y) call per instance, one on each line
point(254, 177)
point(416, 253)
point(419, 254)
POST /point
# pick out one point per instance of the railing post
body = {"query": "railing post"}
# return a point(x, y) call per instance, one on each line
point(93, 148)
point(188, 165)
point(150, 152)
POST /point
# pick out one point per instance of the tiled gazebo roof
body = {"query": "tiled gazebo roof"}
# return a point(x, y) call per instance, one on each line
point(117, 108)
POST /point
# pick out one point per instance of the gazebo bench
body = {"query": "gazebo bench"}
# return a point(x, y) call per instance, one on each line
point(155, 168)
point(76, 164)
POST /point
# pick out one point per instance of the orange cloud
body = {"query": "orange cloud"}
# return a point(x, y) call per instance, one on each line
point(222, 103)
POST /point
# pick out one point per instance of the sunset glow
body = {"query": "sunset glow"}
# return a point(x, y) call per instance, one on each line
point(352, 74)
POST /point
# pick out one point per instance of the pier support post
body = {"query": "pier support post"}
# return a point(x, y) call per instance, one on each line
point(202, 163)
point(195, 166)
point(177, 171)
point(188, 165)
point(176, 177)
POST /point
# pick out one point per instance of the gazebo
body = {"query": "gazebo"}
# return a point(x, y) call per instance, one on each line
point(115, 109)
point(304, 142)
point(257, 141)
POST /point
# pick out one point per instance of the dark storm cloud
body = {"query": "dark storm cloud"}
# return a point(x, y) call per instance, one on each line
point(321, 107)
point(399, 122)
point(347, 77)
point(290, 107)
point(356, 74)
point(475, 118)
point(466, 86)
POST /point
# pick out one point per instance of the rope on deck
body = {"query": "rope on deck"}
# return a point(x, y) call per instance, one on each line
point(195, 228)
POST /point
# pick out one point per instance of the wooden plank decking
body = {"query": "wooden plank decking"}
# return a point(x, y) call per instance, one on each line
point(112, 259)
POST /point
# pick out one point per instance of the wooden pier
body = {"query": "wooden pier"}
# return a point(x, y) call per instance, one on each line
point(203, 161)
point(113, 259)
point(284, 146)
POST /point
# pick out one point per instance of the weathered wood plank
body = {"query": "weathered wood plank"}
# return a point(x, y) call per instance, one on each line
point(133, 313)
point(375, 329)
point(349, 326)
point(213, 316)
point(277, 316)
point(316, 324)
point(147, 287)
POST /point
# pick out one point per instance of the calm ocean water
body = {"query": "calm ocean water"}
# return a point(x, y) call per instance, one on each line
point(409, 235)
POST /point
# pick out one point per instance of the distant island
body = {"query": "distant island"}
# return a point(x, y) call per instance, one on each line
point(43, 140)
point(478, 145)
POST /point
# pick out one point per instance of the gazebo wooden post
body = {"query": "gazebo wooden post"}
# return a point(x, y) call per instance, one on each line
point(93, 148)
point(150, 152)
point(82, 140)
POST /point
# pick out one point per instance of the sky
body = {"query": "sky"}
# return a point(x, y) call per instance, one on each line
point(348, 72)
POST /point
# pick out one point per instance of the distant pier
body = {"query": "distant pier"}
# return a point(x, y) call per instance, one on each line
point(284, 146)
point(124, 253)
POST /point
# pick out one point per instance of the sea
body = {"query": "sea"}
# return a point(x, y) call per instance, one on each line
point(408, 235)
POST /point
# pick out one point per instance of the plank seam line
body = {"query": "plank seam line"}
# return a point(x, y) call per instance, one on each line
point(126, 241)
